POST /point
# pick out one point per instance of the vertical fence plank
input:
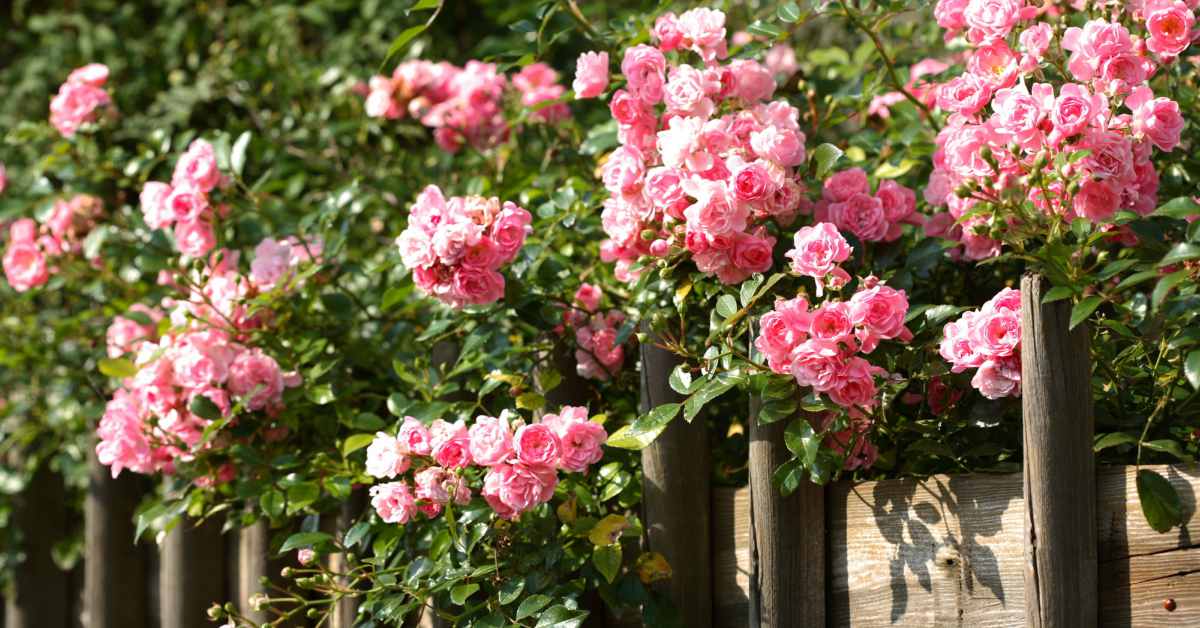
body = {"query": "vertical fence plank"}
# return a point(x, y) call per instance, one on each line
point(254, 562)
point(676, 493)
point(40, 594)
point(346, 609)
point(115, 570)
point(191, 574)
point(787, 537)
point(1059, 470)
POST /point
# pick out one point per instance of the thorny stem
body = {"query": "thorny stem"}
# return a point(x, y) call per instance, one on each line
point(856, 20)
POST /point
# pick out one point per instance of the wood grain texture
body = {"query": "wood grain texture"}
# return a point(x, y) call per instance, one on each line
point(346, 609)
point(40, 594)
point(948, 551)
point(1059, 465)
point(787, 538)
point(191, 574)
point(252, 561)
point(116, 569)
point(676, 496)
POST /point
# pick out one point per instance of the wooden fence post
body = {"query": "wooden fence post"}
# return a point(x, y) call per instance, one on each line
point(115, 570)
point(787, 537)
point(1059, 470)
point(192, 574)
point(40, 594)
point(676, 493)
point(255, 561)
point(346, 610)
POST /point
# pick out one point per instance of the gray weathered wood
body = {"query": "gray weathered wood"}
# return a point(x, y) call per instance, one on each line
point(40, 593)
point(255, 561)
point(948, 551)
point(191, 574)
point(1059, 470)
point(676, 493)
point(115, 571)
point(787, 538)
point(352, 509)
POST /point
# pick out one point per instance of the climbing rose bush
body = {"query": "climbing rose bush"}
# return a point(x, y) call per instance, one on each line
point(599, 355)
point(455, 247)
point(80, 100)
point(32, 249)
point(988, 340)
point(185, 202)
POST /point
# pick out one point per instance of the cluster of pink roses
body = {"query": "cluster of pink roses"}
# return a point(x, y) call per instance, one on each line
point(455, 247)
point(149, 423)
point(1005, 134)
point(185, 201)
point(820, 347)
point(79, 100)
point(684, 178)
point(847, 202)
point(988, 339)
point(30, 246)
point(598, 355)
point(521, 461)
point(463, 105)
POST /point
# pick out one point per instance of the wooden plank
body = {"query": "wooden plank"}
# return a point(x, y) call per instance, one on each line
point(948, 551)
point(1060, 468)
point(191, 574)
point(676, 497)
point(40, 593)
point(787, 537)
point(115, 571)
point(252, 562)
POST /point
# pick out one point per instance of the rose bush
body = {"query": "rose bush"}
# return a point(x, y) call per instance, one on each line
point(412, 303)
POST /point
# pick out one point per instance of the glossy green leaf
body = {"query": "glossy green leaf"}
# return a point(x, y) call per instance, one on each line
point(1160, 502)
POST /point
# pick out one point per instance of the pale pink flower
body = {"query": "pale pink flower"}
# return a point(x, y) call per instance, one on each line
point(591, 75)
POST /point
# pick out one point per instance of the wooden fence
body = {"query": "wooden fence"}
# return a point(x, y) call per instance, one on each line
point(1058, 545)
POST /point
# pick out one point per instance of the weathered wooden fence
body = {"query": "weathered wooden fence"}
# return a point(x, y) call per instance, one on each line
point(1060, 545)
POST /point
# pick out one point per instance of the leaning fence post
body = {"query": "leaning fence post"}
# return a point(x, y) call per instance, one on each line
point(1059, 470)
point(787, 536)
point(676, 493)
point(115, 569)
point(40, 594)
point(192, 574)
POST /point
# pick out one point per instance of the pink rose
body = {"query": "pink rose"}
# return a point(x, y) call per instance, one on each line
point(988, 20)
point(831, 322)
point(451, 444)
point(879, 310)
point(1090, 46)
point(393, 501)
point(581, 439)
point(514, 488)
point(255, 374)
point(898, 201)
point(1157, 119)
point(94, 74)
point(386, 456)
point(510, 230)
point(1096, 200)
point(537, 445)
point(591, 75)
point(472, 286)
point(666, 31)
point(966, 94)
point(781, 145)
point(1035, 40)
point(862, 216)
point(414, 437)
point(753, 182)
point(272, 259)
point(949, 14)
point(25, 265)
point(816, 363)
point(995, 334)
point(588, 297)
point(702, 31)
point(1170, 24)
point(752, 80)
point(77, 100)
point(186, 203)
point(752, 252)
point(781, 61)
point(643, 67)
point(687, 92)
point(995, 63)
point(490, 441)
point(842, 185)
point(1075, 109)
point(197, 167)
point(196, 238)
point(855, 384)
point(999, 378)
point(817, 250)
point(154, 204)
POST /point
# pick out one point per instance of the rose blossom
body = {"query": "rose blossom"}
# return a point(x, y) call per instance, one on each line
point(514, 488)
point(491, 441)
point(25, 266)
point(1170, 24)
point(818, 250)
point(591, 75)
point(393, 501)
point(537, 445)
point(1158, 119)
point(415, 437)
point(644, 67)
point(386, 456)
point(255, 372)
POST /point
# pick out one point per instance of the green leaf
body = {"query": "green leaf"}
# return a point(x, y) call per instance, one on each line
point(301, 495)
point(711, 390)
point(727, 306)
point(402, 40)
point(645, 428)
point(530, 401)
point(1167, 446)
point(237, 155)
point(531, 605)
point(1115, 268)
point(766, 29)
point(272, 503)
point(304, 539)
point(776, 410)
point(1191, 369)
point(607, 559)
point(824, 157)
point(356, 442)
point(1181, 207)
point(1160, 502)
point(1166, 285)
point(460, 593)
point(510, 590)
point(320, 395)
point(561, 617)
point(1057, 293)
point(788, 476)
point(789, 12)
point(802, 440)
point(117, 368)
point(424, 5)
point(681, 379)
point(1181, 252)
point(939, 313)
point(1084, 309)
point(204, 408)
point(1136, 279)
point(1105, 441)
